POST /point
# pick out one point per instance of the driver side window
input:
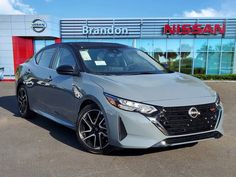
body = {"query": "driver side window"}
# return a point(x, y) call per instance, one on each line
point(64, 57)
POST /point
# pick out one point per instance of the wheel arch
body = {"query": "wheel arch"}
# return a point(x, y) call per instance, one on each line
point(18, 85)
point(89, 99)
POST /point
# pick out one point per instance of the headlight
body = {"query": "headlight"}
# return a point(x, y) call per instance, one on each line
point(128, 105)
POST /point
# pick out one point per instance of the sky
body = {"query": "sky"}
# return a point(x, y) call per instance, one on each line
point(121, 8)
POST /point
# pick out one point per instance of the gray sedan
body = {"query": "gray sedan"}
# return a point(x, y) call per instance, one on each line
point(113, 95)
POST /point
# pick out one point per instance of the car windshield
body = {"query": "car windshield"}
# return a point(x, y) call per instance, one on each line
point(120, 61)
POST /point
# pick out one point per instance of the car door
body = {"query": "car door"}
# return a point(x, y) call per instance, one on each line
point(41, 74)
point(63, 102)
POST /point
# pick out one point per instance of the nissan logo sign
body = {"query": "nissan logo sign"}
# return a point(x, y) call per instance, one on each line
point(193, 112)
point(39, 25)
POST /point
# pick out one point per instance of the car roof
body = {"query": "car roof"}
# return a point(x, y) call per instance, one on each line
point(86, 45)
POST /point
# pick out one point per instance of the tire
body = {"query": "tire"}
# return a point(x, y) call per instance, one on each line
point(91, 130)
point(23, 103)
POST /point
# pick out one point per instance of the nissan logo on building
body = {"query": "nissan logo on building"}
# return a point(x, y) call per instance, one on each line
point(38, 25)
point(193, 112)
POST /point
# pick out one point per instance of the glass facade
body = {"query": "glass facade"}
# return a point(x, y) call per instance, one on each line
point(39, 44)
point(190, 56)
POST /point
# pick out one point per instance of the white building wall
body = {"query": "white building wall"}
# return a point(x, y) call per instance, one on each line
point(20, 25)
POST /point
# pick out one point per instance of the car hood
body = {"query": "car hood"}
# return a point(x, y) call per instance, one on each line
point(153, 87)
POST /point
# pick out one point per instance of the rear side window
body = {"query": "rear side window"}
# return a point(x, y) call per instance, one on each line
point(65, 57)
point(46, 57)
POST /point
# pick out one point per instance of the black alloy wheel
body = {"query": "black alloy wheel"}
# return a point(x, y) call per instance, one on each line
point(92, 130)
point(23, 103)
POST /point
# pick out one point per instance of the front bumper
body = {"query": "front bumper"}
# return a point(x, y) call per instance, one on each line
point(134, 130)
point(188, 139)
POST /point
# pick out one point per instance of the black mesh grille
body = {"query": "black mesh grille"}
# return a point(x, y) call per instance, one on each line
point(177, 121)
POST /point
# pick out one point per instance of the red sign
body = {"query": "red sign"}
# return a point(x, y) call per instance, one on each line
point(185, 29)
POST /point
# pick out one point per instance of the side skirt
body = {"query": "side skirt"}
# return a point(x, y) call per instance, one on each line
point(57, 120)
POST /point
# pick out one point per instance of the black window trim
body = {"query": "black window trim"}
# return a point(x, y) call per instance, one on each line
point(60, 47)
point(54, 57)
point(42, 50)
point(36, 55)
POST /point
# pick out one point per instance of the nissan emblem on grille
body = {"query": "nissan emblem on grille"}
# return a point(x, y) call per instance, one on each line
point(193, 112)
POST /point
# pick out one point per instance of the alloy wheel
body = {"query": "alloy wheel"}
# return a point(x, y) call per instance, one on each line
point(22, 101)
point(92, 129)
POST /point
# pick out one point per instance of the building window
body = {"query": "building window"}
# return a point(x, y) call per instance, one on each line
point(213, 65)
point(39, 44)
point(190, 56)
point(159, 51)
point(227, 63)
point(145, 45)
point(186, 55)
point(214, 45)
point(200, 62)
point(173, 54)
point(228, 45)
point(200, 45)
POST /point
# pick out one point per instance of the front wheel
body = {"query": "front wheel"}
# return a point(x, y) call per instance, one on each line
point(92, 130)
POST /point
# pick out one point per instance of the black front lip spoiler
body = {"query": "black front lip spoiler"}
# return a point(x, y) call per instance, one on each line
point(192, 138)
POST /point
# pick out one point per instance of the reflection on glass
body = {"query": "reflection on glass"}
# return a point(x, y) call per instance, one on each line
point(159, 45)
point(173, 55)
point(186, 62)
point(200, 45)
point(49, 42)
point(173, 45)
point(200, 63)
point(214, 44)
point(178, 53)
point(159, 49)
point(213, 63)
point(128, 42)
point(39, 44)
point(228, 44)
point(145, 45)
point(160, 57)
point(227, 63)
point(186, 45)
point(186, 56)
point(173, 61)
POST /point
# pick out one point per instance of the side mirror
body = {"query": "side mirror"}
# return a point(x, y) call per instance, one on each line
point(67, 70)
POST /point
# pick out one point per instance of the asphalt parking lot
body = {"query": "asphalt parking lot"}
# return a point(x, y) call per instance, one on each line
point(42, 148)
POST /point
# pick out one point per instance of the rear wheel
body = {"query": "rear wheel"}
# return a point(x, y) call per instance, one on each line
point(92, 130)
point(23, 103)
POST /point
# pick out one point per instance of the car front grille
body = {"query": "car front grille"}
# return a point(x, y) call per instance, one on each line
point(177, 121)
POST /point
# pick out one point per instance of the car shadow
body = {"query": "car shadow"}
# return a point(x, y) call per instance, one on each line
point(139, 152)
point(57, 131)
point(9, 103)
point(68, 136)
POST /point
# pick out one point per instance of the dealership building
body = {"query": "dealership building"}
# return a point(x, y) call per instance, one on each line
point(187, 45)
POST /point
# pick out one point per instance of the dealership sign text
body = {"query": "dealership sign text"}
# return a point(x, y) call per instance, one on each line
point(104, 30)
point(184, 29)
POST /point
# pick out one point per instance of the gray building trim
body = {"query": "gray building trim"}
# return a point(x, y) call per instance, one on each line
point(141, 27)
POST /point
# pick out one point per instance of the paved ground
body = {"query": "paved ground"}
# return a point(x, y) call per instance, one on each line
point(41, 148)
